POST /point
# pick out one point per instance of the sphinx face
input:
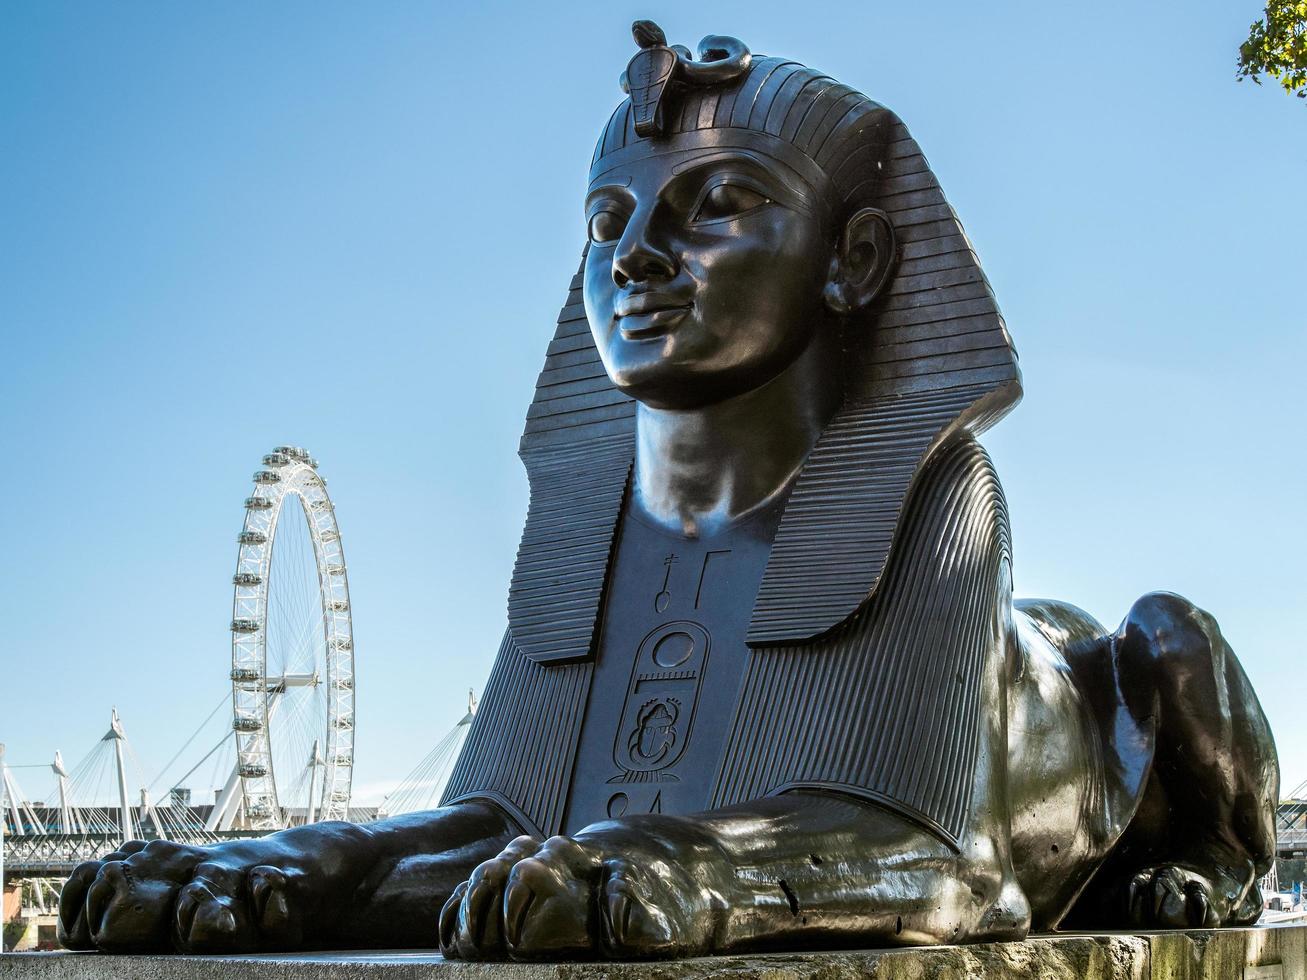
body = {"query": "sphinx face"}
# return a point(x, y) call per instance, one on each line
point(705, 272)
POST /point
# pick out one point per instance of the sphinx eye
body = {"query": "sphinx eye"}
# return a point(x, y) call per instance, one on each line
point(728, 200)
point(605, 226)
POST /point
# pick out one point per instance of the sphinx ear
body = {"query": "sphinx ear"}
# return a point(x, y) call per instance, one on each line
point(863, 262)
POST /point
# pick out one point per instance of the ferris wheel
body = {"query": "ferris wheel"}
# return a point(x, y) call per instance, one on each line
point(292, 651)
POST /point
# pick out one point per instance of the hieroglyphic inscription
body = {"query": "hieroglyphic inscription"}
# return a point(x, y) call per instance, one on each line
point(658, 716)
point(711, 559)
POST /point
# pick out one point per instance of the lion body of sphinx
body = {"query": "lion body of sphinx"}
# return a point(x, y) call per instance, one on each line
point(822, 720)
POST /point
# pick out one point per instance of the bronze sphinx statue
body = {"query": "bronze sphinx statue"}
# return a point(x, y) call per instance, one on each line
point(764, 685)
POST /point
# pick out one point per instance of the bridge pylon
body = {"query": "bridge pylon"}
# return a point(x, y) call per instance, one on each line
point(119, 739)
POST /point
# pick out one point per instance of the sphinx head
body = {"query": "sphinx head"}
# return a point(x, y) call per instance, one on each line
point(743, 211)
point(732, 221)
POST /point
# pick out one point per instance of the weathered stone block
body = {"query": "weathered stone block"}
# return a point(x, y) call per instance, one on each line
point(1271, 953)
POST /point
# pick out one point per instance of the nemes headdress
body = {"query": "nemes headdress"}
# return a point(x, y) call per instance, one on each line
point(930, 359)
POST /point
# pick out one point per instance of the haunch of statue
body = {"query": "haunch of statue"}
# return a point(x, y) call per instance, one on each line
point(764, 681)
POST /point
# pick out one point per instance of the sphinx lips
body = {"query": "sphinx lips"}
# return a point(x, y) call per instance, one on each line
point(648, 314)
point(651, 323)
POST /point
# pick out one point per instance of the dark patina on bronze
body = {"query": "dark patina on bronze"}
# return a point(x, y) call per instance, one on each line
point(764, 684)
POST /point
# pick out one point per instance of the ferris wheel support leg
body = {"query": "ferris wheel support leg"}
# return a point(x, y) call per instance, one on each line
point(224, 810)
point(311, 815)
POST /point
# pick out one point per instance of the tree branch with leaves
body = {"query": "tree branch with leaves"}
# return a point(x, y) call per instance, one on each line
point(1277, 47)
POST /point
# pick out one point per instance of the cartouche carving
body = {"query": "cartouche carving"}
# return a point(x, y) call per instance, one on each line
point(764, 684)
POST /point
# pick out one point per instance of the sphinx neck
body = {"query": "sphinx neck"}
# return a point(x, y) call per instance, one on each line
point(697, 471)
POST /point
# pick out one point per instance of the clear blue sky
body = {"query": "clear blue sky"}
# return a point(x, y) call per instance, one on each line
point(350, 226)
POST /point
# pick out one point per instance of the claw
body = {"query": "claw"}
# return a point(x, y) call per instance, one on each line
point(1199, 907)
point(478, 928)
point(517, 903)
point(481, 918)
point(619, 916)
point(449, 922)
point(633, 922)
point(1137, 895)
point(1171, 896)
point(270, 901)
point(214, 922)
point(1159, 891)
point(1173, 907)
point(205, 920)
point(184, 916)
point(267, 886)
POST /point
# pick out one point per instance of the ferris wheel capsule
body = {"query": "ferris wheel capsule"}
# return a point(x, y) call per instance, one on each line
point(292, 649)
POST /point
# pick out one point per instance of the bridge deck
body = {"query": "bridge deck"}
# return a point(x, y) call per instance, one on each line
point(56, 855)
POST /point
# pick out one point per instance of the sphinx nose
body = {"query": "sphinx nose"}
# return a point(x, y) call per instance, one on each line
point(640, 256)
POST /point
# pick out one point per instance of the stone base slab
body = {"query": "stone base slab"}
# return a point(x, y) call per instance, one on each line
point(1263, 953)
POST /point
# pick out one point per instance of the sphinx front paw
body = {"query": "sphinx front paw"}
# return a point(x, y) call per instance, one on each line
point(161, 895)
point(1172, 896)
point(569, 899)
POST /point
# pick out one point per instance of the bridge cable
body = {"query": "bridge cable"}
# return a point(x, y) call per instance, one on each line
point(226, 699)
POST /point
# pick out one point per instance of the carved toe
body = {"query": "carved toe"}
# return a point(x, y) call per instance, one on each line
point(472, 920)
point(635, 922)
point(73, 929)
point(272, 908)
point(517, 904)
point(1201, 913)
point(449, 922)
point(548, 901)
point(100, 895)
point(1171, 897)
point(477, 934)
point(633, 925)
point(127, 849)
point(207, 921)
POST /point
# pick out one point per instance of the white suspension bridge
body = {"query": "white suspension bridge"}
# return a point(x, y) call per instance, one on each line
point(277, 750)
point(102, 801)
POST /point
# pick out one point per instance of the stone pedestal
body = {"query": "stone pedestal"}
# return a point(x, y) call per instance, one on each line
point(1267, 953)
